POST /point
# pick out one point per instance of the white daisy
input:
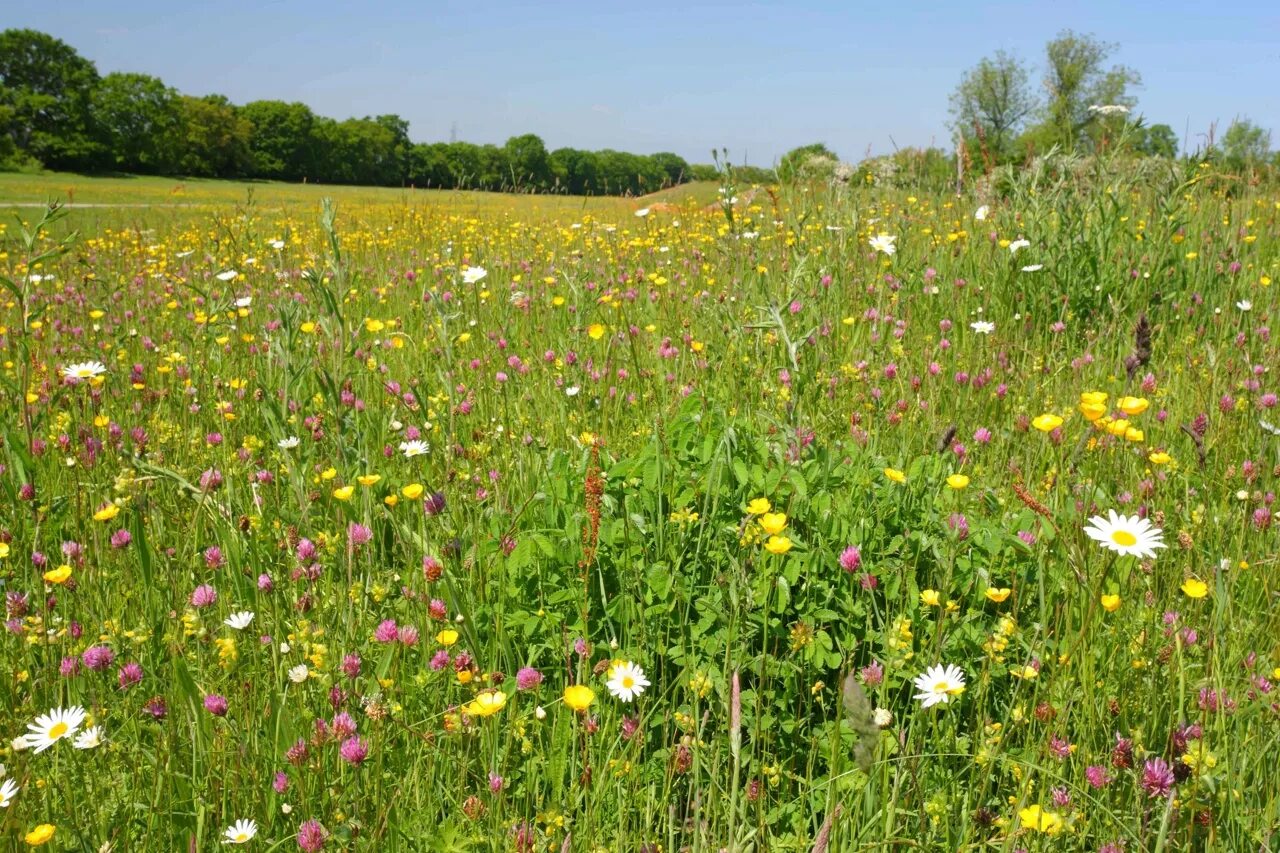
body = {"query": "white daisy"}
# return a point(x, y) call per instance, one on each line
point(299, 673)
point(288, 443)
point(572, 391)
point(1033, 268)
point(239, 621)
point(1016, 245)
point(89, 738)
point(8, 790)
point(1125, 534)
point(884, 243)
point(185, 254)
point(1244, 305)
point(414, 448)
point(84, 370)
point(240, 832)
point(981, 213)
point(938, 684)
point(473, 274)
point(626, 681)
point(244, 301)
point(983, 327)
point(52, 727)
point(642, 212)
point(276, 244)
point(227, 275)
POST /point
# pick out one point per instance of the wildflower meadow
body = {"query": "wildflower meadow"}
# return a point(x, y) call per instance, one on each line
point(827, 517)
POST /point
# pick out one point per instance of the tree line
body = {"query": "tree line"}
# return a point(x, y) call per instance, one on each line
point(57, 112)
point(1085, 104)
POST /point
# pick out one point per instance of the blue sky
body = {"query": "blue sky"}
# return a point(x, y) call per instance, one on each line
point(758, 78)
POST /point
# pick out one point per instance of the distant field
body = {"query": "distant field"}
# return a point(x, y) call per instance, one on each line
point(26, 189)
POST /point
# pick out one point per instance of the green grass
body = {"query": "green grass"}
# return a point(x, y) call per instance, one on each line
point(601, 409)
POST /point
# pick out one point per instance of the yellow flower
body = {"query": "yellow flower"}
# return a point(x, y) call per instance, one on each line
point(1110, 603)
point(486, 704)
point(447, 637)
point(930, 597)
point(391, 500)
point(412, 492)
point(1047, 422)
point(998, 594)
point(759, 506)
point(579, 697)
point(958, 481)
point(773, 523)
point(1118, 427)
point(59, 575)
point(1092, 411)
point(107, 513)
point(1039, 820)
point(1159, 458)
point(368, 479)
point(595, 331)
point(777, 545)
point(41, 834)
point(4, 550)
point(1135, 435)
point(1133, 406)
point(343, 493)
point(895, 475)
point(1195, 588)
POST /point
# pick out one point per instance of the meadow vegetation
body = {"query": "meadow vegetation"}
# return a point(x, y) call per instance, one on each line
point(834, 516)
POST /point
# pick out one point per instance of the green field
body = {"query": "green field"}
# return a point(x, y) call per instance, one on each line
point(838, 519)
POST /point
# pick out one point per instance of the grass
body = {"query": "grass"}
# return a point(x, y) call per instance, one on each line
point(604, 414)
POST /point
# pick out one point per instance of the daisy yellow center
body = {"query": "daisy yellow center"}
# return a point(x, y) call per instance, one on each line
point(628, 682)
point(242, 836)
point(59, 729)
point(942, 687)
point(1123, 537)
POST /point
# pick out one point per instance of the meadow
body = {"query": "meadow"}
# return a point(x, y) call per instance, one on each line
point(819, 518)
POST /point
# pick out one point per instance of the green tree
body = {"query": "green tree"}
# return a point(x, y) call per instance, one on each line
point(140, 119)
point(281, 141)
point(528, 162)
point(47, 90)
point(1156, 140)
point(992, 102)
point(674, 168)
point(576, 172)
point(429, 166)
point(1076, 79)
point(1245, 145)
point(808, 162)
point(216, 138)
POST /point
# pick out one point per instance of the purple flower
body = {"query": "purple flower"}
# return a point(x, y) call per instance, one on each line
point(213, 557)
point(351, 666)
point(216, 705)
point(70, 667)
point(156, 707)
point(311, 836)
point(203, 596)
point(265, 583)
point(872, 674)
point(495, 782)
point(354, 750)
point(1097, 776)
point(98, 658)
point(129, 675)
point(528, 678)
point(342, 726)
point(121, 539)
point(439, 660)
point(850, 559)
point(281, 782)
point(358, 534)
point(1157, 778)
point(386, 632)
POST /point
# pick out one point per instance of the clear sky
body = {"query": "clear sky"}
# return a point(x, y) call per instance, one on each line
point(655, 75)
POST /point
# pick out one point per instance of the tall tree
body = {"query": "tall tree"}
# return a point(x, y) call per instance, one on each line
point(529, 162)
point(1245, 144)
point(992, 102)
point(140, 119)
point(216, 138)
point(1076, 79)
point(48, 89)
point(281, 141)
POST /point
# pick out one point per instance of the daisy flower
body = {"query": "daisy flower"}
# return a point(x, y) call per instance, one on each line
point(89, 738)
point(983, 327)
point(52, 727)
point(8, 790)
point(473, 274)
point(240, 832)
point(414, 448)
point(84, 370)
point(884, 243)
point(227, 275)
point(938, 684)
point(1125, 534)
point(981, 213)
point(626, 681)
point(1016, 245)
point(288, 443)
point(239, 621)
